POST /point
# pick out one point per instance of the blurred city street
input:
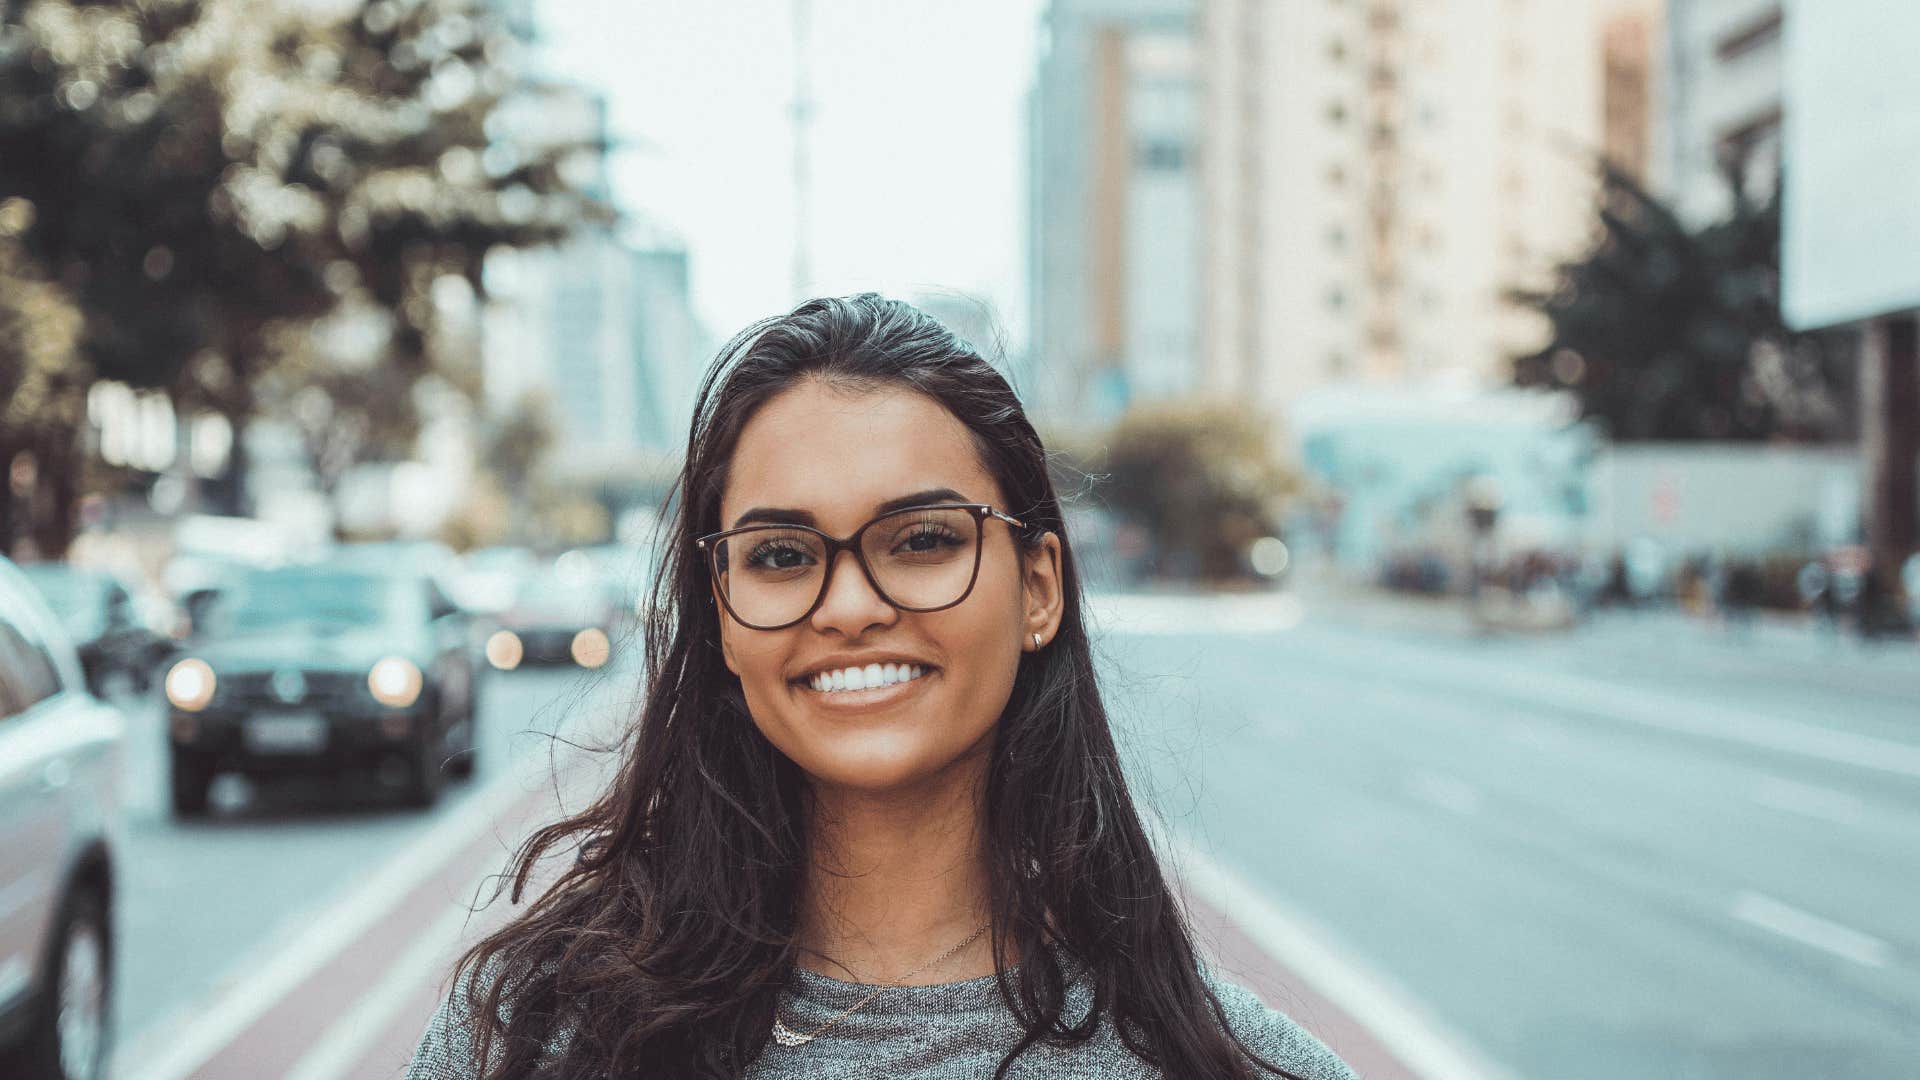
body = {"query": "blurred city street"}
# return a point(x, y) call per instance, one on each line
point(1638, 849)
point(1488, 433)
point(1709, 839)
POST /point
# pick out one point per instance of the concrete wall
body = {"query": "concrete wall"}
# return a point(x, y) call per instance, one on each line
point(1737, 498)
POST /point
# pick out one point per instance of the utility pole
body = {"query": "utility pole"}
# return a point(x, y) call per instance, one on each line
point(801, 123)
point(1890, 440)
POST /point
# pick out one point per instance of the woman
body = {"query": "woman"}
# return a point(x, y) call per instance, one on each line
point(871, 821)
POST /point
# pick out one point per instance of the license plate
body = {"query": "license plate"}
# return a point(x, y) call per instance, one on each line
point(287, 733)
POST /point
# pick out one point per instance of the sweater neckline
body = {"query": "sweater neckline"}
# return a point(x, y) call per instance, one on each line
point(966, 995)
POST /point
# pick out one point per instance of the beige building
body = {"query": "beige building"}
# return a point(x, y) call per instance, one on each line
point(1630, 49)
point(1376, 175)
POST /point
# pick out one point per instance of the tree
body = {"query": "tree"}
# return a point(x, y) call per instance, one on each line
point(202, 175)
point(1200, 478)
point(42, 393)
point(1668, 333)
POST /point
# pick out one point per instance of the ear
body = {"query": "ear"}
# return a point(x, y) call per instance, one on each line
point(726, 630)
point(1042, 590)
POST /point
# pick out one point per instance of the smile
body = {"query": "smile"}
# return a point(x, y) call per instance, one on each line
point(877, 684)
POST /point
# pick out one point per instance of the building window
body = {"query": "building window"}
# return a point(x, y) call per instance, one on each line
point(1757, 34)
point(1336, 298)
point(1337, 238)
point(1161, 155)
point(1336, 113)
point(1336, 175)
point(1337, 51)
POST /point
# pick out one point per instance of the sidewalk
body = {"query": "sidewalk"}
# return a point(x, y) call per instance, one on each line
point(347, 993)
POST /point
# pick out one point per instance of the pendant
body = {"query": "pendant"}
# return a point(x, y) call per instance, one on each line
point(786, 1036)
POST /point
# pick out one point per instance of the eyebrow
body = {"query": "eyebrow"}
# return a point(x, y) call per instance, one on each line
point(777, 515)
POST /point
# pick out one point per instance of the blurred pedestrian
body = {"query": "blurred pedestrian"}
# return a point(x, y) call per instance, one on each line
point(800, 826)
point(1910, 587)
point(1815, 587)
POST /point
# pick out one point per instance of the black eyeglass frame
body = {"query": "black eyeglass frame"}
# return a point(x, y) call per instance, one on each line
point(981, 512)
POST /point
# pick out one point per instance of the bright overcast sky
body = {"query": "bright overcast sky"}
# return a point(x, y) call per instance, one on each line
point(917, 143)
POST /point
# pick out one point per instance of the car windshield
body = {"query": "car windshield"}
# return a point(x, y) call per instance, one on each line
point(555, 592)
point(320, 599)
point(67, 592)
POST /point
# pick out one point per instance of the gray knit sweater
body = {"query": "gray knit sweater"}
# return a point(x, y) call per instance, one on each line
point(952, 1031)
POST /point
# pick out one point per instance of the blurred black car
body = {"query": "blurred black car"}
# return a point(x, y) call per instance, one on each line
point(99, 614)
point(323, 668)
point(557, 617)
point(60, 752)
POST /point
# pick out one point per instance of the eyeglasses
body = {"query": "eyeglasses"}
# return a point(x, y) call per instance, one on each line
point(923, 558)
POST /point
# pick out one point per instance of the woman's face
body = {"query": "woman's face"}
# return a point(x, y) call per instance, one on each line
point(839, 454)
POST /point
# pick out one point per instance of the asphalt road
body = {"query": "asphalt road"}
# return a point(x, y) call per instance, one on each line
point(1647, 848)
point(202, 902)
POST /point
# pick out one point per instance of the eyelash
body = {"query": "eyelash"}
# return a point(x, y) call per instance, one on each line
point(922, 529)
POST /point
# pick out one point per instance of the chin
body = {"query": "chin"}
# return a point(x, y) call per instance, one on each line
point(874, 763)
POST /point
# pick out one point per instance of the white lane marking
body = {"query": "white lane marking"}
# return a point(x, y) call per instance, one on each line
point(177, 1046)
point(350, 1037)
point(1809, 800)
point(1449, 793)
point(1808, 929)
point(1663, 710)
point(1416, 1039)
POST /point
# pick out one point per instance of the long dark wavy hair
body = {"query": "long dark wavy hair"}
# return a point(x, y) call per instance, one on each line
point(661, 949)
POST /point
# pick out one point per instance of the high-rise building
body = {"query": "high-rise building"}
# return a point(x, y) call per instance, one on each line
point(1630, 37)
point(1722, 70)
point(1113, 207)
point(1376, 177)
point(599, 324)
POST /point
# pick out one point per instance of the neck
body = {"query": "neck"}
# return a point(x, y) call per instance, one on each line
point(895, 881)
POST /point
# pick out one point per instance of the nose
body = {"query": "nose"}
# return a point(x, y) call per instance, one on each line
point(851, 604)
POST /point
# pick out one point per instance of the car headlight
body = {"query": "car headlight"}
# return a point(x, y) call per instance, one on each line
point(590, 647)
point(395, 682)
point(504, 650)
point(190, 684)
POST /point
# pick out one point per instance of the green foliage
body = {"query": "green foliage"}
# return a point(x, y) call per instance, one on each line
point(1201, 478)
point(205, 179)
point(1669, 333)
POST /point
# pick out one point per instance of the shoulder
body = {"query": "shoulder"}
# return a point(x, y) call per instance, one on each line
point(448, 1048)
point(1274, 1035)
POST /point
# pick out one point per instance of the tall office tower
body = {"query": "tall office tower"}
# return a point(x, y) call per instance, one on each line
point(1377, 174)
point(1113, 206)
point(1630, 36)
point(1722, 67)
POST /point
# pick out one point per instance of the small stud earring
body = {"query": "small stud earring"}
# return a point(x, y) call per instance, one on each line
point(1036, 641)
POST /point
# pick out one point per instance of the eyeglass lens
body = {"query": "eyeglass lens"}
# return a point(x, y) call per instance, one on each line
point(921, 559)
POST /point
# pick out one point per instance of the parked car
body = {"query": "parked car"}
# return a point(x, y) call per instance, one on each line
point(105, 623)
point(60, 750)
point(323, 668)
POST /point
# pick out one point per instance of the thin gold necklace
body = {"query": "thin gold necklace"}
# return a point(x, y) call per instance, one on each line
point(786, 1036)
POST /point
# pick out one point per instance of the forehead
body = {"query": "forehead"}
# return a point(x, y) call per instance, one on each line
point(839, 453)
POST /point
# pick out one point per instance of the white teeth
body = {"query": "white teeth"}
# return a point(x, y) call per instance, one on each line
point(865, 678)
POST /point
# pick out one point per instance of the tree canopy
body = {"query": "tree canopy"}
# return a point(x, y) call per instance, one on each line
point(1665, 332)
